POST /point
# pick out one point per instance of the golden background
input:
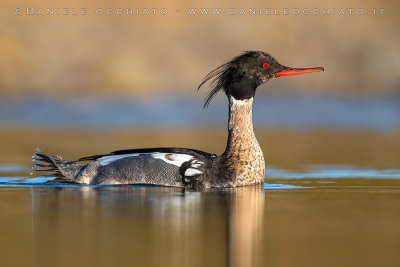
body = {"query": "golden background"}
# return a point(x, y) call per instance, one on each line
point(132, 56)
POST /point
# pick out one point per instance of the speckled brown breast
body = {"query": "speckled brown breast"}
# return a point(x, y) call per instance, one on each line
point(243, 159)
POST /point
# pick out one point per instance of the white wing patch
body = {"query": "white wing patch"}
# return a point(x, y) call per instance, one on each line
point(193, 169)
point(174, 159)
point(192, 172)
point(196, 164)
point(109, 159)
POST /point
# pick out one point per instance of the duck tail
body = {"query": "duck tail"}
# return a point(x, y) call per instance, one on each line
point(64, 171)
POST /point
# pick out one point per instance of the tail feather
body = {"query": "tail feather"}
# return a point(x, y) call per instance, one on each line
point(64, 171)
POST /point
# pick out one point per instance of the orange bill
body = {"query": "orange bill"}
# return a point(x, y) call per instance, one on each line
point(296, 71)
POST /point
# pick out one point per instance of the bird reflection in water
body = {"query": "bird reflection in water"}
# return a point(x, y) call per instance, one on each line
point(149, 225)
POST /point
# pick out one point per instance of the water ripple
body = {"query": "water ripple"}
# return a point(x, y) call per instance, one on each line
point(333, 172)
point(322, 172)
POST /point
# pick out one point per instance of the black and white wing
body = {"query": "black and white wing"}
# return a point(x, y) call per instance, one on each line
point(165, 166)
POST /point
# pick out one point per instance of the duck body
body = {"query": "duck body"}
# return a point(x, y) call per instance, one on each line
point(241, 164)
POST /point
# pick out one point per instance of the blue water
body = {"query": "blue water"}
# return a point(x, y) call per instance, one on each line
point(12, 168)
point(171, 111)
point(324, 174)
point(334, 172)
point(43, 182)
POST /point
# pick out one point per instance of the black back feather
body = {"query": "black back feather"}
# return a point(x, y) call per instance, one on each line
point(172, 150)
point(221, 77)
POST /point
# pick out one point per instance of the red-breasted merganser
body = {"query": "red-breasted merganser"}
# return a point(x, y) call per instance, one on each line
point(241, 164)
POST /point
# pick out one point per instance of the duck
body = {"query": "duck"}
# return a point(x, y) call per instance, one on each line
point(241, 164)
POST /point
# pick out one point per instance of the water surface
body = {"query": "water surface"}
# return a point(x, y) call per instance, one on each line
point(330, 198)
point(320, 216)
point(170, 111)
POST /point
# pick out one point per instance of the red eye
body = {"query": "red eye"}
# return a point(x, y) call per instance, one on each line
point(266, 65)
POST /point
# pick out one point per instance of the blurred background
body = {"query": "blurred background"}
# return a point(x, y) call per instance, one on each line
point(82, 84)
point(79, 85)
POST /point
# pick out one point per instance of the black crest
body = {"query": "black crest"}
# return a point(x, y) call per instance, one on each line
point(234, 70)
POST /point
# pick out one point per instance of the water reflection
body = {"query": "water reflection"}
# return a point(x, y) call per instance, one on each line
point(148, 226)
point(245, 226)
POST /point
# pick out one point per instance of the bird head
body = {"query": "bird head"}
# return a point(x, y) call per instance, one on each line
point(241, 76)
